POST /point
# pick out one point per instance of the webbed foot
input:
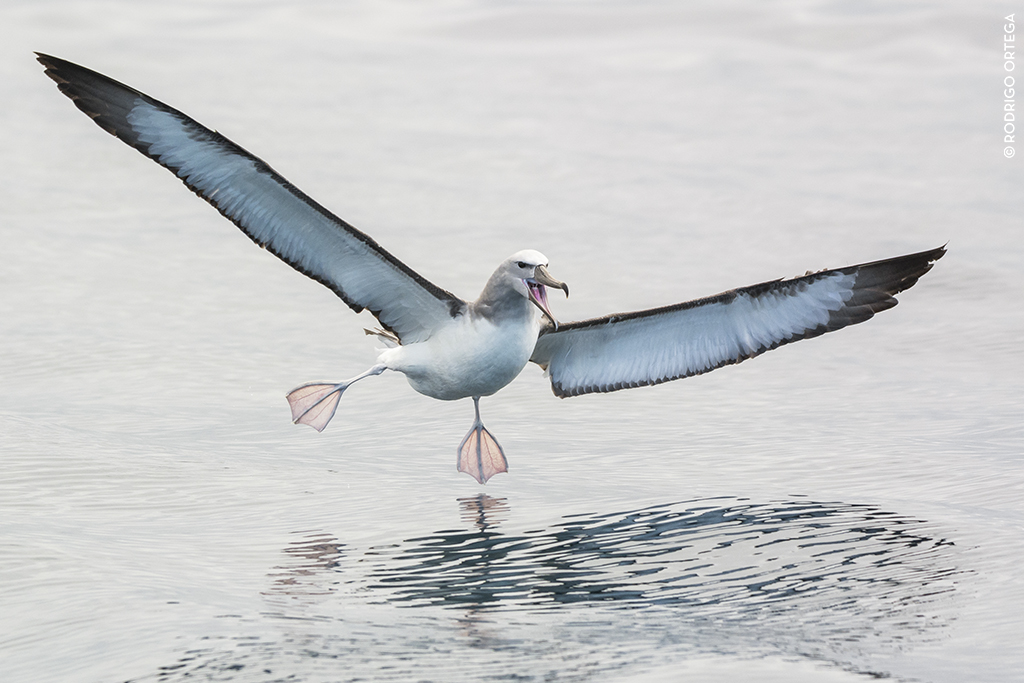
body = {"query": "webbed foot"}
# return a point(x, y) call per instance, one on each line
point(480, 455)
point(314, 404)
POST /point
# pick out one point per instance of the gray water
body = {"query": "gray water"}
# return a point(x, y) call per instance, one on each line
point(847, 508)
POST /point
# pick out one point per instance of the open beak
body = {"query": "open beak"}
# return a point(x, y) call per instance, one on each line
point(538, 295)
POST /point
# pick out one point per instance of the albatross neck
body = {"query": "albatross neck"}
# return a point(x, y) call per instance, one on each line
point(500, 303)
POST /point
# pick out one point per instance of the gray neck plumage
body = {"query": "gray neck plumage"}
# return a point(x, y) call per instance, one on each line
point(500, 303)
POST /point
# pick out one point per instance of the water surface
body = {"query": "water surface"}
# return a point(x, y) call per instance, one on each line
point(846, 508)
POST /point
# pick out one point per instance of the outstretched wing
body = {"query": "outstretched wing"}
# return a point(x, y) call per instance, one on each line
point(661, 344)
point(270, 210)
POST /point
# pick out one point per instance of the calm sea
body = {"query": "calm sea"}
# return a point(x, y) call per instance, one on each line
point(846, 508)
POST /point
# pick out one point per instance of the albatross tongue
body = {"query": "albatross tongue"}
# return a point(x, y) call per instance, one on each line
point(539, 296)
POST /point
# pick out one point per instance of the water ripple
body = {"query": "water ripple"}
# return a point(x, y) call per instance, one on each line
point(723, 553)
point(832, 583)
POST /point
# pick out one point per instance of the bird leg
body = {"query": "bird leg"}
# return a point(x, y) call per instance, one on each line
point(314, 403)
point(480, 456)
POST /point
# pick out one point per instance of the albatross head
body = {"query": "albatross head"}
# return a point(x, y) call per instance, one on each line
point(528, 273)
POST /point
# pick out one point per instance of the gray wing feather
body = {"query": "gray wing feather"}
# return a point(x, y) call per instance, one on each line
point(266, 207)
point(662, 344)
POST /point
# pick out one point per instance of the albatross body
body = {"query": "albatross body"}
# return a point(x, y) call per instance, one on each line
point(475, 354)
point(481, 351)
point(449, 348)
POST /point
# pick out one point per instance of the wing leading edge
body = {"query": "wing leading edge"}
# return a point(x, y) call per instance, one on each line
point(266, 207)
point(662, 344)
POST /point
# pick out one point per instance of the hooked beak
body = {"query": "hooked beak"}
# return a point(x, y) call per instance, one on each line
point(538, 295)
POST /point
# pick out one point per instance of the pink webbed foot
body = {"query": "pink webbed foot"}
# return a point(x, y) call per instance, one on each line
point(314, 404)
point(480, 455)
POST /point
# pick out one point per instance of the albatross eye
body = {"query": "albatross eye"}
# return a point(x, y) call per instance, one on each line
point(523, 265)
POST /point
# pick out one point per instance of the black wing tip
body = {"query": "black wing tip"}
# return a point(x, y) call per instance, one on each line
point(55, 64)
point(47, 60)
point(104, 100)
point(63, 71)
point(895, 275)
point(60, 71)
point(920, 259)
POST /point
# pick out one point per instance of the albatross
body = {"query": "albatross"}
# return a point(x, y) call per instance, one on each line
point(450, 348)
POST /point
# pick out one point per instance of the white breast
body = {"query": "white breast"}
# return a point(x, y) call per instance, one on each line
point(471, 357)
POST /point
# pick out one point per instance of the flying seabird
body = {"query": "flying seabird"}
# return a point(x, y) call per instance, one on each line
point(449, 348)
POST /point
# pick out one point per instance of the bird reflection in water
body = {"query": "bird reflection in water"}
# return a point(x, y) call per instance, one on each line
point(308, 573)
point(718, 559)
point(823, 581)
point(484, 511)
point(725, 557)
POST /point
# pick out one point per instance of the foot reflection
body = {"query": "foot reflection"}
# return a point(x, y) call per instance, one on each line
point(484, 511)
